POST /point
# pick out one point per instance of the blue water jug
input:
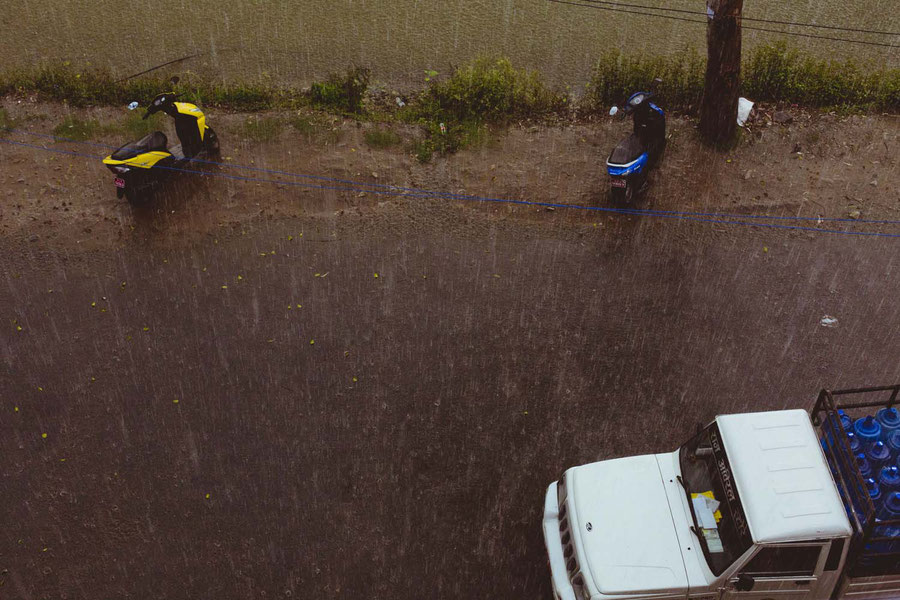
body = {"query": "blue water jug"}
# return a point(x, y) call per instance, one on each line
point(889, 479)
point(893, 443)
point(874, 489)
point(846, 421)
point(889, 418)
point(855, 446)
point(867, 429)
point(864, 468)
point(878, 455)
point(889, 511)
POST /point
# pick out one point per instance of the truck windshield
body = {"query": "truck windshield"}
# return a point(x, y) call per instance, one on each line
point(719, 519)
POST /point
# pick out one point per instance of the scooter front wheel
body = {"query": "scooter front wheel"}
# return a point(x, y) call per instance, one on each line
point(212, 143)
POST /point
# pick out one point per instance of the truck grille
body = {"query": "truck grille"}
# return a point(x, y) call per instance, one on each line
point(565, 532)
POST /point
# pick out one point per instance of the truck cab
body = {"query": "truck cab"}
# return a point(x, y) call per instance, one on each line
point(754, 506)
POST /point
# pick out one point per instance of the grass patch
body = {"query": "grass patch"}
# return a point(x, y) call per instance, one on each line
point(615, 76)
point(74, 128)
point(98, 87)
point(304, 125)
point(262, 129)
point(454, 111)
point(381, 138)
point(342, 92)
point(777, 73)
point(485, 92)
point(491, 91)
point(448, 140)
point(770, 73)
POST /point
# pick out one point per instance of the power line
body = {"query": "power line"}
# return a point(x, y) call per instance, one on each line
point(165, 64)
point(436, 195)
point(594, 5)
point(744, 18)
point(423, 192)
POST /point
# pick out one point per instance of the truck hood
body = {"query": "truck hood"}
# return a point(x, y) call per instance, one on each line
point(629, 544)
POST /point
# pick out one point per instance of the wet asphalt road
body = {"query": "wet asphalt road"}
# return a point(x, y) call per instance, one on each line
point(221, 422)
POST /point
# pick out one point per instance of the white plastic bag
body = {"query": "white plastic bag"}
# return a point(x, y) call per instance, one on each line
point(744, 108)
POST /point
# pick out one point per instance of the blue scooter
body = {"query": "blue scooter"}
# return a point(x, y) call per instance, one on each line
point(630, 162)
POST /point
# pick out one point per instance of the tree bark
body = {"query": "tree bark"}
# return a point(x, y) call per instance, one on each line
point(718, 110)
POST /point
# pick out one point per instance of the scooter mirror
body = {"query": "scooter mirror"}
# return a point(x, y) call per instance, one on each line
point(132, 105)
point(613, 111)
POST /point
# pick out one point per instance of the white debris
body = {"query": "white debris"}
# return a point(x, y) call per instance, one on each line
point(828, 321)
point(744, 108)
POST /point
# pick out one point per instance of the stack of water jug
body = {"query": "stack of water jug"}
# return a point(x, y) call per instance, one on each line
point(875, 442)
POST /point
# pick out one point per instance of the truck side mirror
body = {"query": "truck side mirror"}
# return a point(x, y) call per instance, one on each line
point(744, 583)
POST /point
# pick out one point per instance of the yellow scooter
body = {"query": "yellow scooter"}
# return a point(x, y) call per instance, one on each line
point(143, 165)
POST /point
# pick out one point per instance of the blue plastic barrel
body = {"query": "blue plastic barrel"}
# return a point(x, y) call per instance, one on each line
point(867, 429)
point(889, 418)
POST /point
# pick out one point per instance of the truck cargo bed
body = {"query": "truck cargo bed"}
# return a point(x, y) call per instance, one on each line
point(873, 558)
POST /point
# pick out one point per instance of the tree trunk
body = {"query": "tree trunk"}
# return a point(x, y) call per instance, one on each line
point(718, 110)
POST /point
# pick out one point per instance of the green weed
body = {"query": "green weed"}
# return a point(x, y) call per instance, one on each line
point(423, 150)
point(262, 129)
point(6, 122)
point(779, 74)
point(454, 111)
point(616, 76)
point(771, 73)
point(344, 93)
point(76, 129)
point(304, 125)
point(492, 91)
point(381, 138)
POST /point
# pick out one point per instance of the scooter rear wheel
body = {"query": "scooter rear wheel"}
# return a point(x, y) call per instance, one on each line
point(135, 195)
point(620, 195)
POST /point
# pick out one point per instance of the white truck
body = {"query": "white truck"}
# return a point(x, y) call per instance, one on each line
point(762, 506)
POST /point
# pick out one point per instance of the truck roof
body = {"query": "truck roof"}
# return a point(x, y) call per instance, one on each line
point(784, 483)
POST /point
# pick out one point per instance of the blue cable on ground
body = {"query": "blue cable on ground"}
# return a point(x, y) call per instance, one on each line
point(423, 192)
point(400, 193)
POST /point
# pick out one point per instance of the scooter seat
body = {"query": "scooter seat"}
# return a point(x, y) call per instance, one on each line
point(628, 150)
point(154, 142)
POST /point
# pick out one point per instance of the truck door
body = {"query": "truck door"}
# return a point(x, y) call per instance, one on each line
point(781, 572)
